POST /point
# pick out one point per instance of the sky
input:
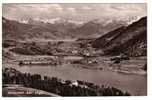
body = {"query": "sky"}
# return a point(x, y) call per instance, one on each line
point(75, 12)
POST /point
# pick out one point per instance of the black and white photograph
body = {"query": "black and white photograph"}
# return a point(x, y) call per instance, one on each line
point(74, 50)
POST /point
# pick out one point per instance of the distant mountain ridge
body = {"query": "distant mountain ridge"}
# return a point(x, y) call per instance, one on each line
point(19, 31)
point(60, 30)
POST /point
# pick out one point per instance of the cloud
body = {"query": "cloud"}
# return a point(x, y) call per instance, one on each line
point(79, 12)
point(73, 10)
point(55, 6)
point(70, 11)
point(86, 8)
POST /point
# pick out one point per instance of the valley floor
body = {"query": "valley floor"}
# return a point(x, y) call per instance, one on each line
point(65, 63)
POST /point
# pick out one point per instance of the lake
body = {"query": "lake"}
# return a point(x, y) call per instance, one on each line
point(134, 84)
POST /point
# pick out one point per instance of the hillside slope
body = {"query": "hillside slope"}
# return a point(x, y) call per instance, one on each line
point(131, 40)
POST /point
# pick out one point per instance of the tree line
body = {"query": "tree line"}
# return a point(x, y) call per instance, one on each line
point(58, 86)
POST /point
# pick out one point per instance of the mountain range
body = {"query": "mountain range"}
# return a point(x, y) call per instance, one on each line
point(60, 29)
point(113, 38)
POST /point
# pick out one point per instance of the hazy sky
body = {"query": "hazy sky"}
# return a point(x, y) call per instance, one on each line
point(78, 12)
